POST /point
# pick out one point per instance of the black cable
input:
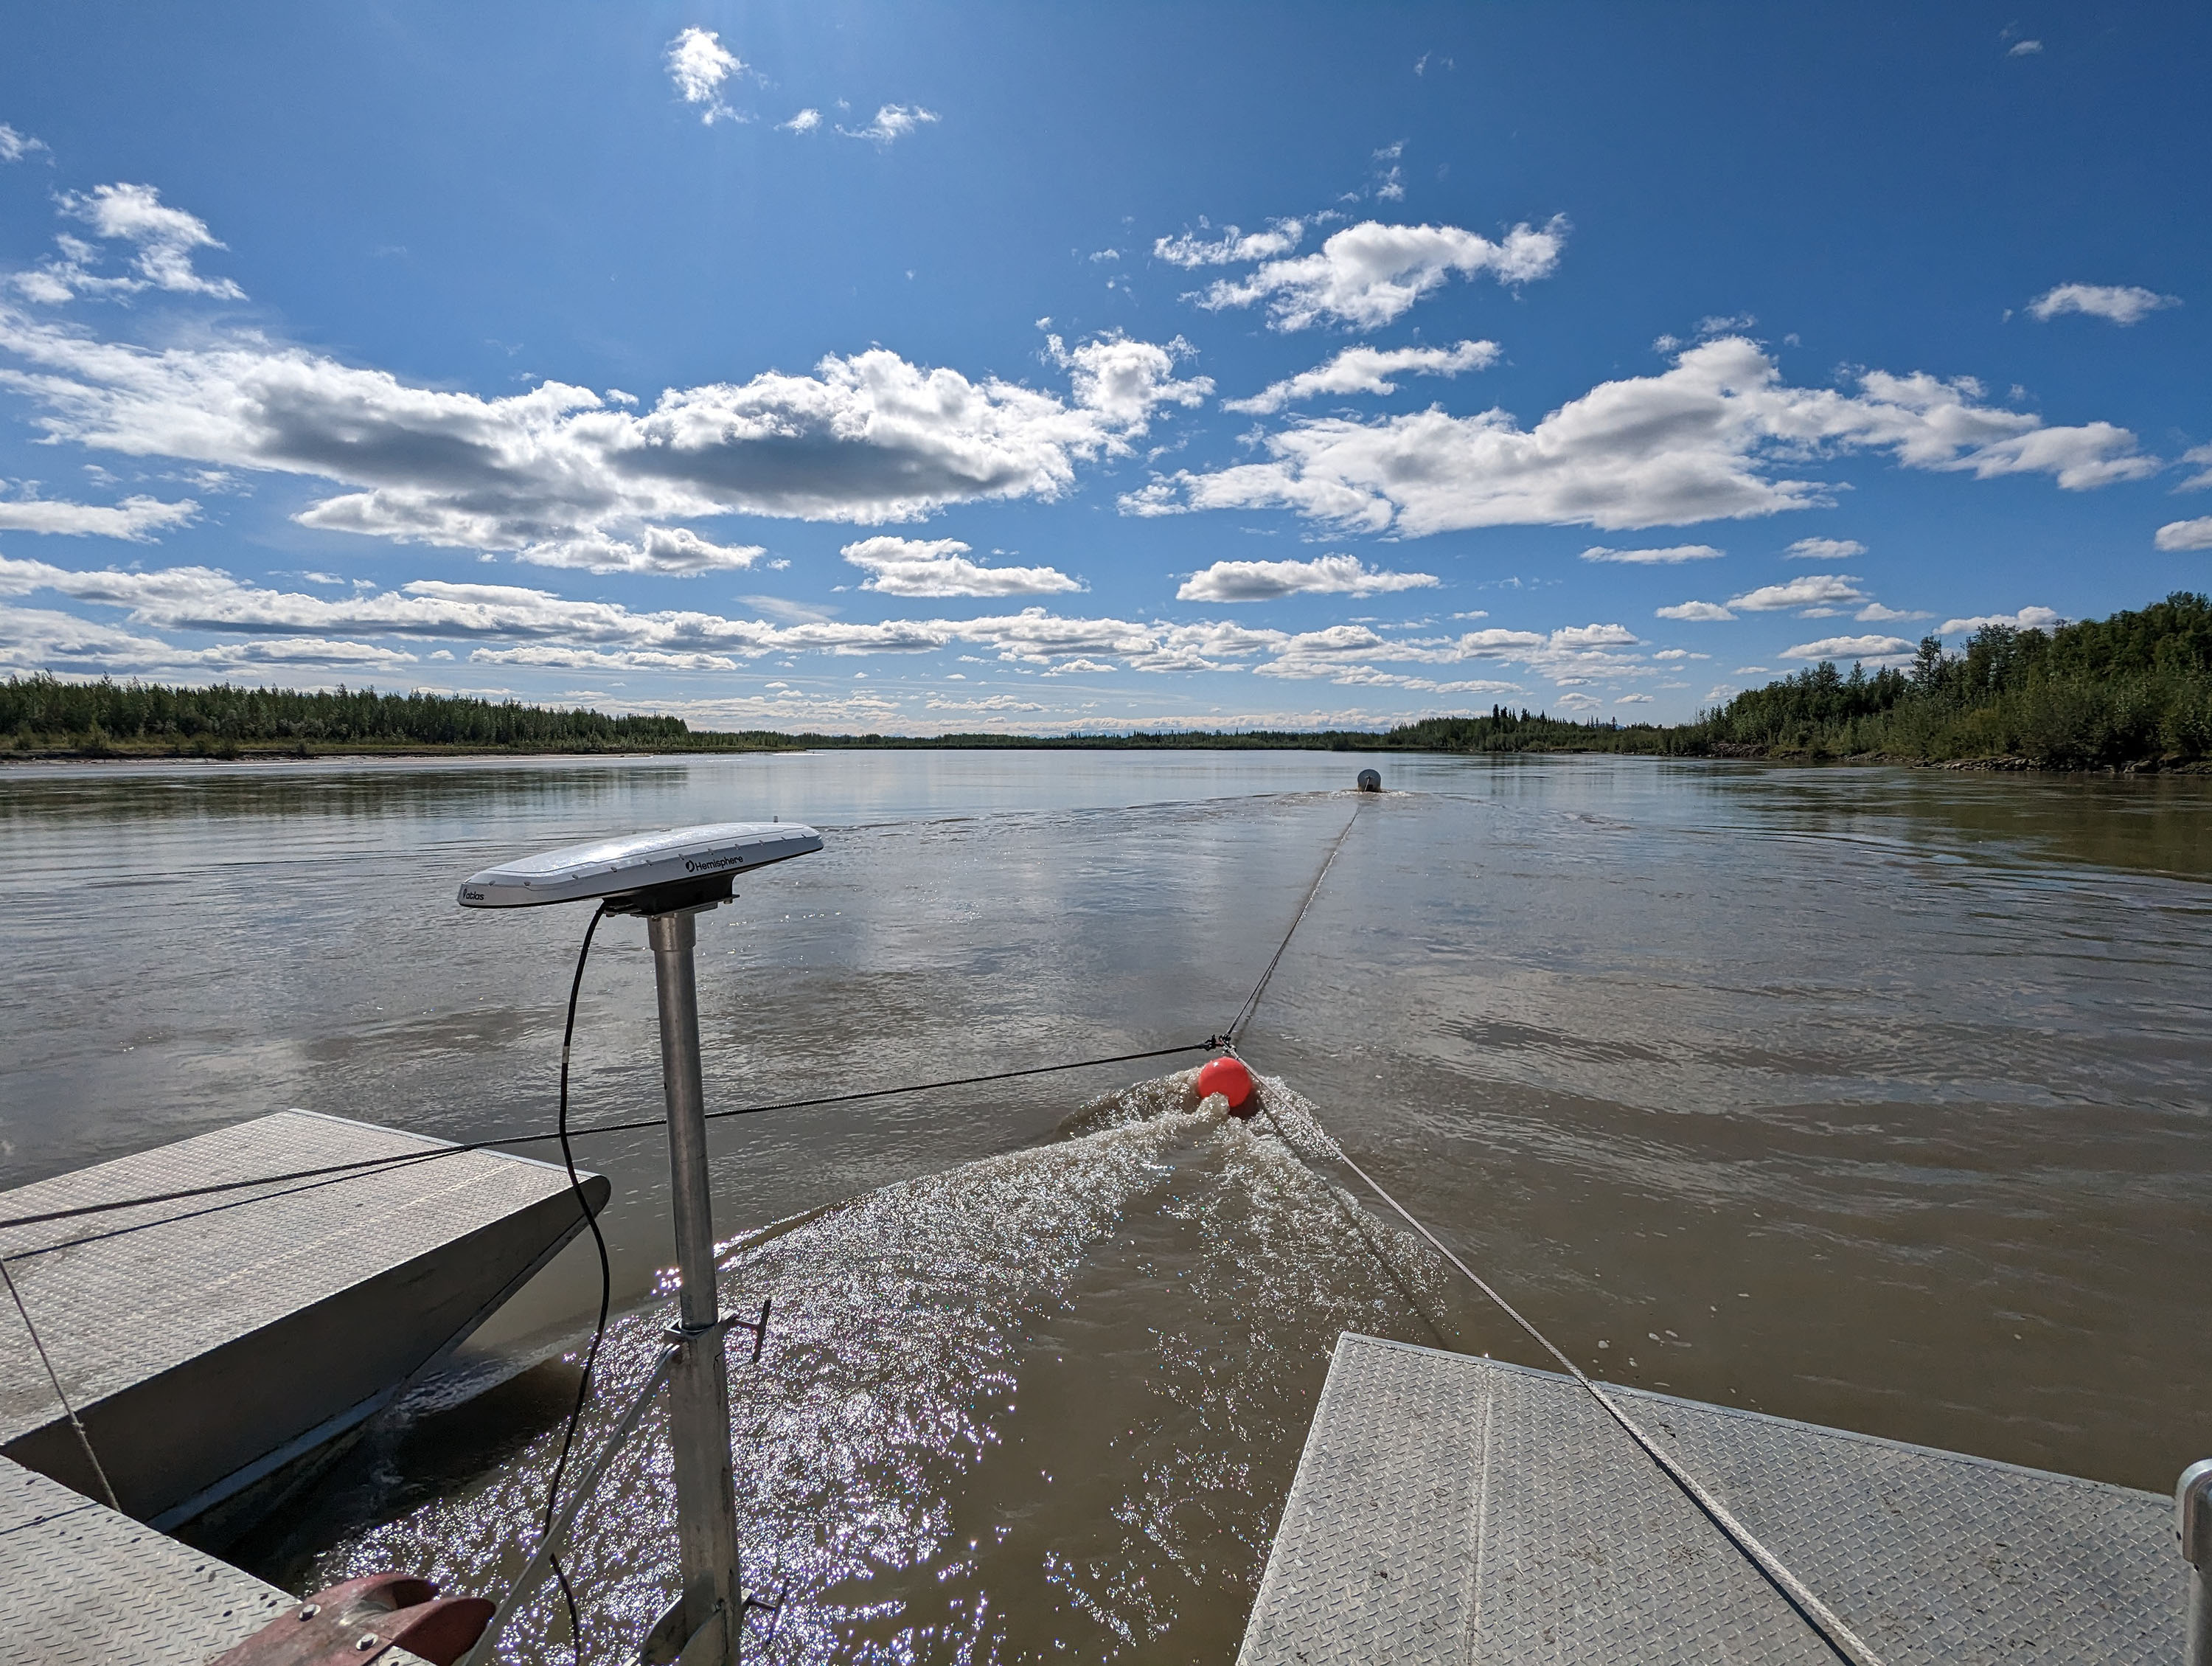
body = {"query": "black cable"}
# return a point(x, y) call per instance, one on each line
point(403, 1159)
point(607, 1288)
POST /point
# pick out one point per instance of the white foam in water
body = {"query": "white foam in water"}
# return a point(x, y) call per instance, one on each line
point(1048, 1401)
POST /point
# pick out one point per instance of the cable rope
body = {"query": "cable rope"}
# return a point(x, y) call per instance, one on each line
point(1825, 1622)
point(61, 1394)
point(403, 1159)
point(1251, 1005)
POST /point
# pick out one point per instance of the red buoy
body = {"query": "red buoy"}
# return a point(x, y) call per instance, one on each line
point(1229, 1078)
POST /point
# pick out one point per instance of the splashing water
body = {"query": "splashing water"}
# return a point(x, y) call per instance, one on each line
point(1044, 1403)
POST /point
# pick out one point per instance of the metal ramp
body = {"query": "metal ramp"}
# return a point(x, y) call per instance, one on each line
point(1455, 1510)
point(220, 1350)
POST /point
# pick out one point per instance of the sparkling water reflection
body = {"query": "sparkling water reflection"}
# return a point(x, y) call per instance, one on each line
point(1873, 1097)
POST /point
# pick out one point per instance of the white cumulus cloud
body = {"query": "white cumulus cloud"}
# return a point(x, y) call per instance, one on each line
point(2029, 618)
point(699, 64)
point(1125, 380)
point(1695, 612)
point(1811, 590)
point(2186, 534)
point(2120, 303)
point(1367, 370)
point(1877, 648)
point(941, 567)
point(564, 477)
point(804, 122)
point(1369, 274)
point(1707, 439)
point(1324, 575)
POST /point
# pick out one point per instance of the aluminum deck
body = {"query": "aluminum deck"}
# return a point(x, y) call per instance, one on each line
point(1455, 1510)
point(83, 1586)
point(248, 1331)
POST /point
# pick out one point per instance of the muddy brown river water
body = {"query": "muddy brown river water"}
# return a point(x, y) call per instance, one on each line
point(1877, 1097)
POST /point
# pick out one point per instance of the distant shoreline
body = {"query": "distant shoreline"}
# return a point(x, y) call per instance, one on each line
point(2127, 695)
point(1381, 746)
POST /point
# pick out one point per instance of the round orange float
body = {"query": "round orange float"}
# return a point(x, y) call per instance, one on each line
point(1231, 1080)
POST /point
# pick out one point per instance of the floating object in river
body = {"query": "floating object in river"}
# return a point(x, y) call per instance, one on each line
point(1231, 1080)
point(1371, 781)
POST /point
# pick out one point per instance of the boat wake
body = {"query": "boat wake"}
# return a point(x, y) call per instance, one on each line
point(1045, 1403)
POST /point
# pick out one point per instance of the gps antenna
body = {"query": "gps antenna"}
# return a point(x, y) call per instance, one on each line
point(669, 878)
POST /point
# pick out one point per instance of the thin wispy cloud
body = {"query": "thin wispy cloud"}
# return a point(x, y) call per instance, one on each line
point(1230, 246)
point(893, 122)
point(2117, 303)
point(941, 567)
point(1369, 370)
point(135, 520)
point(516, 626)
point(15, 146)
point(164, 240)
point(1672, 555)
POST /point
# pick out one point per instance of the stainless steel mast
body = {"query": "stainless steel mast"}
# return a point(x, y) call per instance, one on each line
point(669, 878)
point(699, 1386)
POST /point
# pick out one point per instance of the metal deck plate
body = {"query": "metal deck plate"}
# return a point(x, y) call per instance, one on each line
point(253, 1317)
point(83, 1586)
point(1454, 1510)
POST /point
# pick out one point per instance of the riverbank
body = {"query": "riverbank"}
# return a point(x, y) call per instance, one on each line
point(2128, 694)
point(1721, 752)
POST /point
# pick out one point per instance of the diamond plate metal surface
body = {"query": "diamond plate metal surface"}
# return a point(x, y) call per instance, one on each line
point(116, 1311)
point(1454, 1510)
point(83, 1586)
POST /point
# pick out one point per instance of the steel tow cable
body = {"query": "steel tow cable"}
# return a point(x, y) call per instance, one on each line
point(1824, 1621)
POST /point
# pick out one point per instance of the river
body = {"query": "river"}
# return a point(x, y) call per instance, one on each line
point(1877, 1098)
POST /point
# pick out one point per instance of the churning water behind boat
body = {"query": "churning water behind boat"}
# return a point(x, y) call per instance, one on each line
point(1041, 1403)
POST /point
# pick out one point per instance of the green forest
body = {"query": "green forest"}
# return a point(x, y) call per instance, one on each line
point(2132, 691)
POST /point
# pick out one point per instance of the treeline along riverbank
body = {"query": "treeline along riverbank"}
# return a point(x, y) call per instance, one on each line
point(2132, 691)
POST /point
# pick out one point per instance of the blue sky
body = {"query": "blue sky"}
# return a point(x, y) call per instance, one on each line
point(917, 368)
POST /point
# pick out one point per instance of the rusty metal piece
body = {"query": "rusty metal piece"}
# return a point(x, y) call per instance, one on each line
point(361, 1620)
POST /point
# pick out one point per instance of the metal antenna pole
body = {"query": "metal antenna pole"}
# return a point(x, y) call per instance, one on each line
point(699, 1387)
